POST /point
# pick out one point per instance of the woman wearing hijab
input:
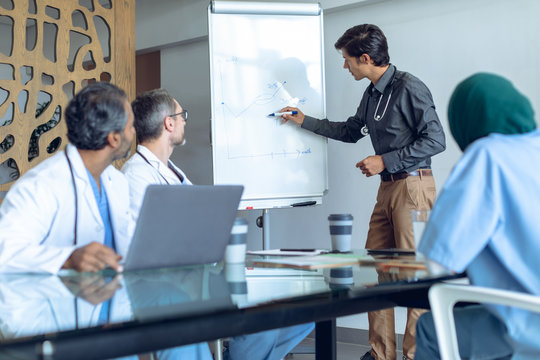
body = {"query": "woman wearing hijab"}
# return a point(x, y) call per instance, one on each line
point(486, 221)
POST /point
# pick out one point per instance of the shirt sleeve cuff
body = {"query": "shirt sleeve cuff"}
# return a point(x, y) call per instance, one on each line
point(62, 258)
point(440, 256)
point(391, 162)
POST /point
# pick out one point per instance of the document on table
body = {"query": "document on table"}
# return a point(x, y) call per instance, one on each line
point(400, 263)
point(282, 271)
point(312, 262)
point(339, 260)
point(288, 252)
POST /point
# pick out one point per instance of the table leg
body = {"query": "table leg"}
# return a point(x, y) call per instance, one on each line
point(325, 340)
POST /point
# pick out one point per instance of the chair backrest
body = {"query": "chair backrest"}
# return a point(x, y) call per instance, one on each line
point(443, 298)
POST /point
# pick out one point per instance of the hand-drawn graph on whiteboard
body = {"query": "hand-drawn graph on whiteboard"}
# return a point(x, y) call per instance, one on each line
point(261, 63)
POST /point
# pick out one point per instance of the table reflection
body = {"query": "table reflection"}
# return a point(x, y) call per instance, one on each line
point(39, 305)
point(33, 305)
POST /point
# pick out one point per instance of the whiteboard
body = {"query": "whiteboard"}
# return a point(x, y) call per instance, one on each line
point(264, 56)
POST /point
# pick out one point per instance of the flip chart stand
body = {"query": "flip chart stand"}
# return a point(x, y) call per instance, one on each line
point(253, 74)
point(264, 223)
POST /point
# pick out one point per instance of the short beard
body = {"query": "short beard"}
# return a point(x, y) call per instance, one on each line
point(176, 143)
point(126, 154)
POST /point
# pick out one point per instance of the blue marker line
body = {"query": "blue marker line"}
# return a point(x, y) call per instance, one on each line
point(284, 113)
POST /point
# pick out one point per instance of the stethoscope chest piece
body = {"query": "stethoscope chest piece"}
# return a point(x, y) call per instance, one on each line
point(364, 130)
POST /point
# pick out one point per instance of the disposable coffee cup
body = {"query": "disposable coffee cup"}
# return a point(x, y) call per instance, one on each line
point(341, 278)
point(236, 249)
point(341, 231)
point(235, 275)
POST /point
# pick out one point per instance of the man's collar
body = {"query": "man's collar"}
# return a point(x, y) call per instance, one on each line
point(385, 79)
point(149, 155)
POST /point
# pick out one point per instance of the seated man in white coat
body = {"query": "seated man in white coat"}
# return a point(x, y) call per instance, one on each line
point(160, 123)
point(71, 210)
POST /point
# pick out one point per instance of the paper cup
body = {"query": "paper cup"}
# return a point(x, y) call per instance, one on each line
point(341, 231)
point(236, 249)
point(235, 274)
point(341, 278)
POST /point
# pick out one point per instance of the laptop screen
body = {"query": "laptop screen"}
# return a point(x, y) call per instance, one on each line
point(183, 225)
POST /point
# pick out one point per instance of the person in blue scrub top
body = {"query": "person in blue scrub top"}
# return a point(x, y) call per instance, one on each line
point(485, 221)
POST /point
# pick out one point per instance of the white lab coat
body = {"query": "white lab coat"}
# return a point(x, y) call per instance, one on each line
point(37, 216)
point(140, 174)
point(36, 304)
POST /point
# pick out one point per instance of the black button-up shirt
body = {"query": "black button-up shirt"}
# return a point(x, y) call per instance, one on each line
point(399, 115)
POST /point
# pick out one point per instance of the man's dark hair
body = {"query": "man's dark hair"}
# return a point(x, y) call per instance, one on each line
point(365, 39)
point(150, 108)
point(93, 113)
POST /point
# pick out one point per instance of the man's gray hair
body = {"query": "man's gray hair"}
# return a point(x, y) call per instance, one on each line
point(150, 108)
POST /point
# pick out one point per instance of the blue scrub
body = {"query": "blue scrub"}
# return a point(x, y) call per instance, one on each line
point(103, 206)
point(485, 221)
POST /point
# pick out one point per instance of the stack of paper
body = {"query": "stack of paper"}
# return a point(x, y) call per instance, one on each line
point(312, 262)
point(342, 259)
point(288, 252)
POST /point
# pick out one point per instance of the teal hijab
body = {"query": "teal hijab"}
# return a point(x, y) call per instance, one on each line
point(487, 103)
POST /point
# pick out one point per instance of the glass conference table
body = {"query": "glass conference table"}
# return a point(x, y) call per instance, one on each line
point(94, 316)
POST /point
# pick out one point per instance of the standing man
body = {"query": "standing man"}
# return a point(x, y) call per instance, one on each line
point(159, 123)
point(71, 211)
point(398, 113)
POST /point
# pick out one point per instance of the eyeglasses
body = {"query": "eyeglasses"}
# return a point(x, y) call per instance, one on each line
point(183, 114)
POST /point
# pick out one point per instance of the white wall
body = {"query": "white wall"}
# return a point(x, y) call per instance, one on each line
point(441, 42)
point(185, 74)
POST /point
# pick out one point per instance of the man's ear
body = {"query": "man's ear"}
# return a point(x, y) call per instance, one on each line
point(168, 124)
point(114, 139)
point(365, 59)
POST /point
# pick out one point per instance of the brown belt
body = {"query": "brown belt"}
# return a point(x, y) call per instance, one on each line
point(403, 175)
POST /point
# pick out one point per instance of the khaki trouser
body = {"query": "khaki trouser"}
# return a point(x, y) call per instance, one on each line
point(391, 227)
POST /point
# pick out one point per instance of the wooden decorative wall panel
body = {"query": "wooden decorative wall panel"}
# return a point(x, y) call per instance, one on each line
point(55, 47)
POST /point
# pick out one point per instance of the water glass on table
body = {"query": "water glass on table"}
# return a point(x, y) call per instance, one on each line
point(419, 221)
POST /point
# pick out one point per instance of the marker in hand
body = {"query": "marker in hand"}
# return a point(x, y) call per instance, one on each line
point(284, 113)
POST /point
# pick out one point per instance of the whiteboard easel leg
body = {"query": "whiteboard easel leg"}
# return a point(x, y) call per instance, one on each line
point(266, 229)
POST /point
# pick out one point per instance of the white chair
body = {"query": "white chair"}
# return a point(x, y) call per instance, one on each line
point(443, 297)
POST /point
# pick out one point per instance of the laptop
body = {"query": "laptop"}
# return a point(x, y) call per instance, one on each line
point(183, 225)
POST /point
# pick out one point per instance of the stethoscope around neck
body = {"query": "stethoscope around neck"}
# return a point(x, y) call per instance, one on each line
point(175, 172)
point(75, 193)
point(76, 197)
point(376, 115)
